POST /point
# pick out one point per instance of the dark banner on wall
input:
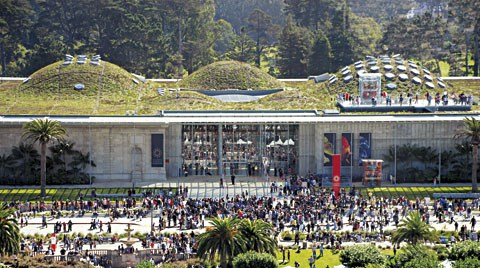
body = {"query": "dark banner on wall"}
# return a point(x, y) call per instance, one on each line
point(365, 147)
point(347, 148)
point(329, 140)
point(157, 150)
point(336, 181)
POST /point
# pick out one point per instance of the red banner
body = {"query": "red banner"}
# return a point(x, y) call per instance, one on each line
point(336, 162)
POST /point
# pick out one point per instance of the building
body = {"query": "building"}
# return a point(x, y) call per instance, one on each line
point(176, 144)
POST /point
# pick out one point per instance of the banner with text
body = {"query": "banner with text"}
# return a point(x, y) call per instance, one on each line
point(157, 150)
point(347, 148)
point(336, 182)
point(365, 147)
point(329, 141)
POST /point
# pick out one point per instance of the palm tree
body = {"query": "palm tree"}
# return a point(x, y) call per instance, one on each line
point(9, 231)
point(258, 235)
point(223, 239)
point(60, 152)
point(413, 230)
point(25, 158)
point(43, 131)
point(80, 163)
point(6, 165)
point(471, 131)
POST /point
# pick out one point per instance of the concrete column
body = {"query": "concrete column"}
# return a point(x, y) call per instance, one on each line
point(220, 151)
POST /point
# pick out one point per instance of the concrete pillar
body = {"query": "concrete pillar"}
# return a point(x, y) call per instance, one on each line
point(220, 151)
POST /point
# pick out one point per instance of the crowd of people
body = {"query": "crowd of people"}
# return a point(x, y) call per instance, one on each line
point(296, 204)
point(408, 98)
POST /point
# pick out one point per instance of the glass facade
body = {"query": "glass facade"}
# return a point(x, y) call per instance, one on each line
point(243, 150)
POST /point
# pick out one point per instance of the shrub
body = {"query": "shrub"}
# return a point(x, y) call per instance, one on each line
point(423, 262)
point(286, 236)
point(467, 263)
point(361, 255)
point(254, 259)
point(416, 255)
point(145, 264)
point(442, 252)
point(464, 249)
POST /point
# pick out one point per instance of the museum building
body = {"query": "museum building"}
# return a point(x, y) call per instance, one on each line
point(175, 144)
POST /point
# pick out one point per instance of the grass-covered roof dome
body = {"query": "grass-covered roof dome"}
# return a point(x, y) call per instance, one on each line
point(230, 75)
point(59, 77)
point(78, 86)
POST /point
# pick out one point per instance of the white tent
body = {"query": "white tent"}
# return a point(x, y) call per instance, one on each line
point(279, 142)
point(289, 142)
point(240, 141)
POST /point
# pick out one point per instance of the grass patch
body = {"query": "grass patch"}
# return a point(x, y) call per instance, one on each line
point(414, 192)
point(328, 258)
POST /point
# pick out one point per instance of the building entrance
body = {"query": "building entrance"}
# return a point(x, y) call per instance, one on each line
point(240, 150)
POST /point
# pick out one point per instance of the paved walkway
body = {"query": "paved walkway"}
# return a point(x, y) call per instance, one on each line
point(82, 225)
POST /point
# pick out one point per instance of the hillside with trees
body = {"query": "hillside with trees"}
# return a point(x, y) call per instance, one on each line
point(287, 38)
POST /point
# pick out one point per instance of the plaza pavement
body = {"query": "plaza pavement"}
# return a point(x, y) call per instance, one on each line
point(143, 225)
point(199, 187)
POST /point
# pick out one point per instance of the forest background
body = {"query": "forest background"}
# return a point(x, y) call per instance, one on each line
point(287, 38)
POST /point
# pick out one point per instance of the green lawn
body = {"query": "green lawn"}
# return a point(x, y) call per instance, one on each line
point(31, 194)
point(328, 258)
point(22, 194)
point(414, 192)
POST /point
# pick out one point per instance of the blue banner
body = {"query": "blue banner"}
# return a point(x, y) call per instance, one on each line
point(365, 147)
point(157, 150)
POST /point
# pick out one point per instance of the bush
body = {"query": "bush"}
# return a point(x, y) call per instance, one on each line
point(361, 255)
point(145, 264)
point(464, 250)
point(423, 262)
point(416, 255)
point(286, 236)
point(254, 259)
point(467, 263)
point(442, 252)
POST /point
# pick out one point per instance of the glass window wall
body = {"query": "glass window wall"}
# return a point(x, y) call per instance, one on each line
point(246, 150)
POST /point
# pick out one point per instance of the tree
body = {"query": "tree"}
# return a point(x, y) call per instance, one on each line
point(294, 49)
point(43, 131)
point(25, 158)
point(243, 47)
point(9, 231)
point(320, 59)
point(258, 236)
point(254, 259)
point(15, 22)
point(341, 37)
point(262, 29)
point(471, 131)
point(6, 165)
point(223, 239)
point(467, 15)
point(413, 230)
